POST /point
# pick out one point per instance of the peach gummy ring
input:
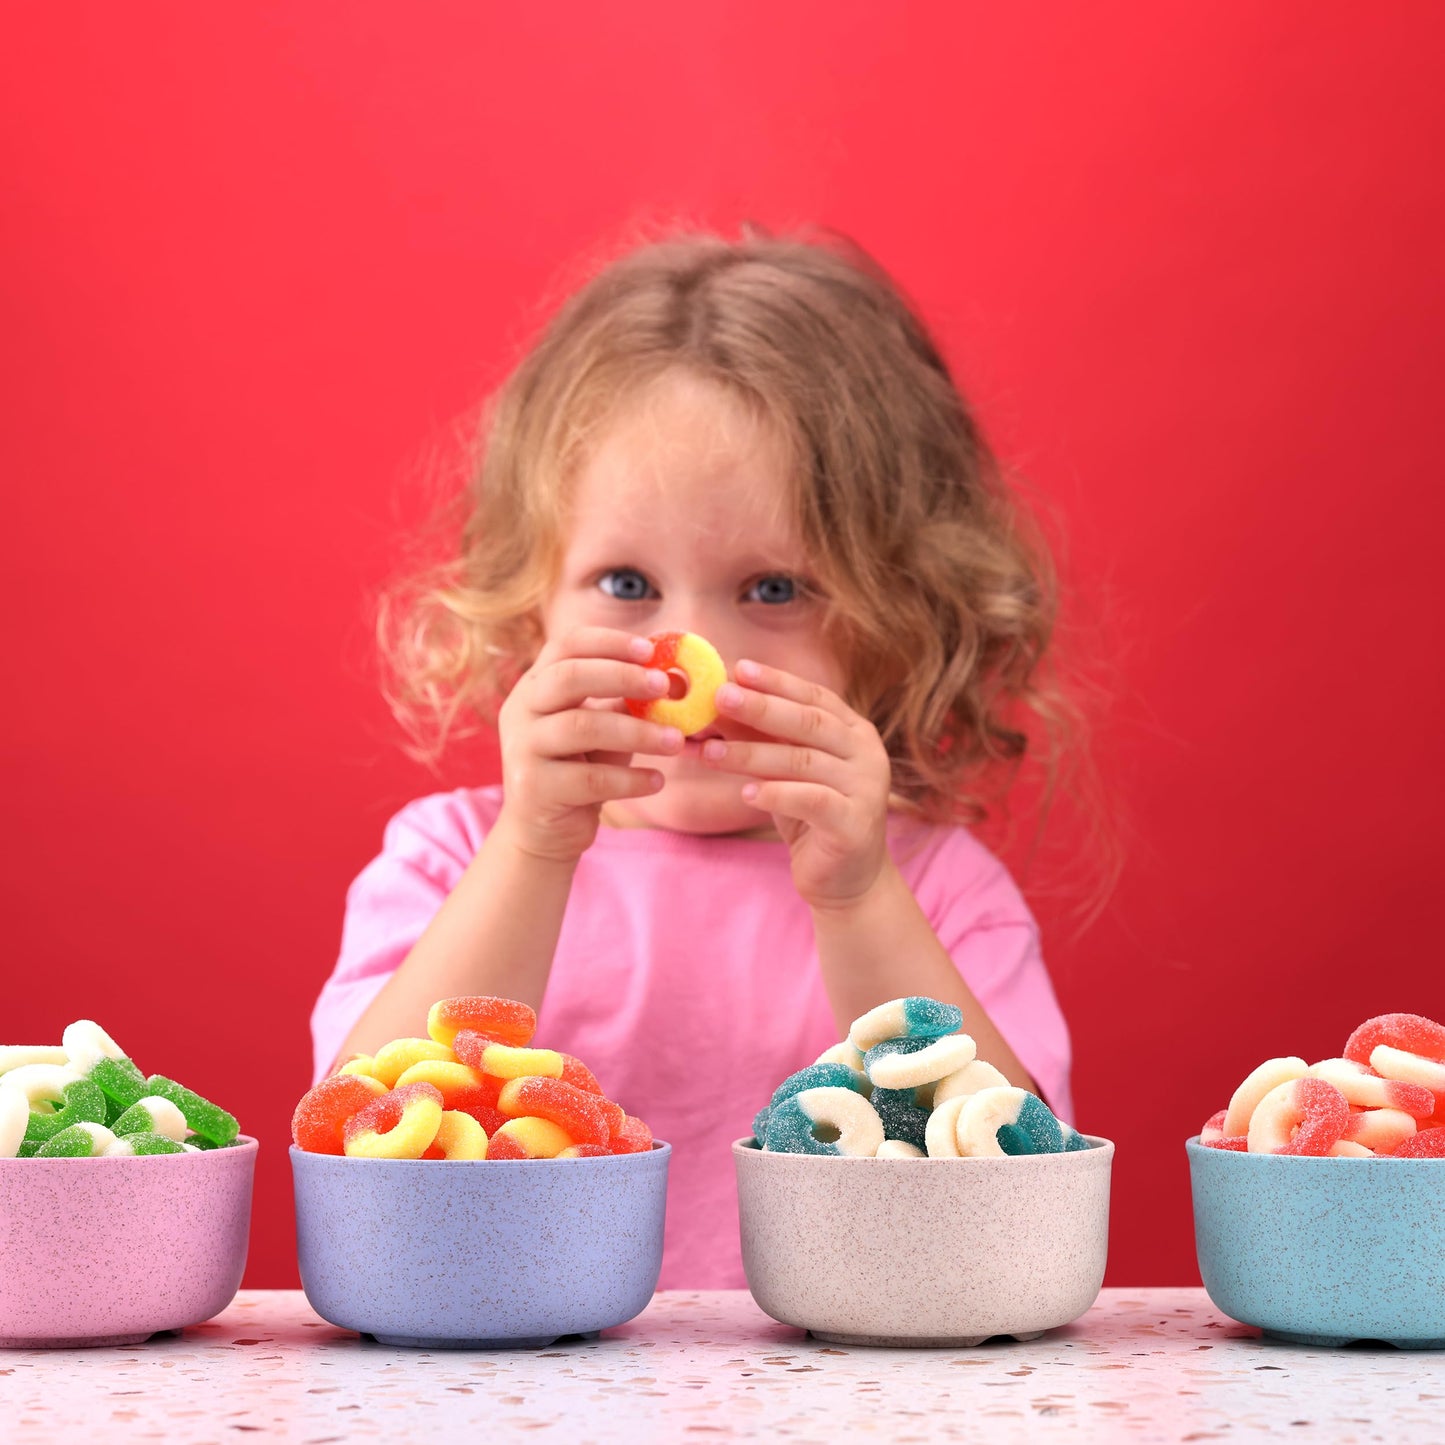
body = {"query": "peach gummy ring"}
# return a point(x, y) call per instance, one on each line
point(695, 660)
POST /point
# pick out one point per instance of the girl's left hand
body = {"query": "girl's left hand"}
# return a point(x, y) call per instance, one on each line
point(826, 782)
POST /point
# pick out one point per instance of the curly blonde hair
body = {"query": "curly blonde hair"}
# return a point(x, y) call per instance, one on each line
point(940, 591)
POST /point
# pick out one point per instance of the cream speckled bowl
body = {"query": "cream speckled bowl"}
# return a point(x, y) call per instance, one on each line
point(942, 1252)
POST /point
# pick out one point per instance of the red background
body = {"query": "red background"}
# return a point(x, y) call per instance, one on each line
point(258, 260)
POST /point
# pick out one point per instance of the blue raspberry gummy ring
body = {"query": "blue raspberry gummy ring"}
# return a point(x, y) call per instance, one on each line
point(821, 1076)
point(994, 1122)
point(905, 1018)
point(901, 1116)
point(909, 1063)
point(825, 1121)
point(208, 1120)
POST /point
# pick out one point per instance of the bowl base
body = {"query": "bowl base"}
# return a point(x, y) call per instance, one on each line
point(430, 1342)
point(1337, 1342)
point(923, 1342)
point(82, 1342)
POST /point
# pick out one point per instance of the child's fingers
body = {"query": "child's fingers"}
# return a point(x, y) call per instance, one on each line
point(610, 642)
point(782, 717)
point(824, 808)
point(781, 761)
point(567, 682)
point(586, 730)
point(762, 678)
point(581, 784)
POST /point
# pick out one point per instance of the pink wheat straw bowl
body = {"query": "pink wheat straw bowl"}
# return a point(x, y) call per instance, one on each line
point(109, 1251)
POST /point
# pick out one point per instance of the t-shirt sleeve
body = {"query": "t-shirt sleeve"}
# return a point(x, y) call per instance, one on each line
point(424, 851)
point(993, 940)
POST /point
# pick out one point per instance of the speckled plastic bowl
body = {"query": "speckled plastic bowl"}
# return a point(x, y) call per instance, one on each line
point(942, 1252)
point(1323, 1251)
point(479, 1254)
point(108, 1251)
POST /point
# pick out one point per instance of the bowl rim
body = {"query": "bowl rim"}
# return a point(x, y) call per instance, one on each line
point(243, 1145)
point(1193, 1147)
point(1098, 1146)
point(660, 1148)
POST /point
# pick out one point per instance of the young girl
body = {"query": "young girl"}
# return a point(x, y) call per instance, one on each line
point(756, 441)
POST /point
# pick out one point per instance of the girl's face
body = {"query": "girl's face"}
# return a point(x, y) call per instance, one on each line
point(678, 522)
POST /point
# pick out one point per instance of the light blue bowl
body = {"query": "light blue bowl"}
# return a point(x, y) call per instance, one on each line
point(479, 1254)
point(1323, 1251)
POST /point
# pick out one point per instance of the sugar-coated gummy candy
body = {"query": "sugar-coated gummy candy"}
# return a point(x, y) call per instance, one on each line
point(14, 1056)
point(458, 1136)
point(86, 1044)
point(1381, 1131)
point(567, 1106)
point(504, 1061)
point(973, 1076)
point(81, 1103)
point(634, 1137)
point(899, 1149)
point(1213, 1135)
point(505, 1020)
point(400, 1124)
point(1007, 1120)
point(584, 1151)
point(821, 1076)
point(200, 1114)
point(615, 1115)
point(1410, 1033)
point(152, 1115)
point(14, 1116)
point(1427, 1144)
point(1299, 1116)
point(120, 1081)
point(528, 1138)
point(1348, 1149)
point(1256, 1084)
point(358, 1064)
point(394, 1059)
point(78, 1141)
point(318, 1124)
point(1406, 1067)
point(760, 1123)
point(827, 1120)
point(900, 1018)
point(152, 1143)
point(906, 1063)
point(901, 1116)
point(843, 1053)
point(1363, 1088)
point(40, 1084)
point(698, 663)
point(576, 1073)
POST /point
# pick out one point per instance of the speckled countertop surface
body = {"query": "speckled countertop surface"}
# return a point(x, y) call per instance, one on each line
point(1142, 1365)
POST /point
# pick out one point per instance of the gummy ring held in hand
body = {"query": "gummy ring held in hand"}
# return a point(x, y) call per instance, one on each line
point(399, 1125)
point(1302, 1116)
point(696, 661)
point(827, 1120)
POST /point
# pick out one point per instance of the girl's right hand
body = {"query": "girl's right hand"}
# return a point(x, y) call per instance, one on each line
point(567, 741)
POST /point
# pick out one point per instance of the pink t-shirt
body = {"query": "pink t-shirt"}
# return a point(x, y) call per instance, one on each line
point(687, 978)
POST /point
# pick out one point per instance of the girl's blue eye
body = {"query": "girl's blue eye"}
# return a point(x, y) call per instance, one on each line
point(626, 584)
point(774, 589)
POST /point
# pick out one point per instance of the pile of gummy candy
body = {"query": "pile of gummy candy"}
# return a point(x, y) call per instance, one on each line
point(473, 1090)
point(85, 1098)
point(1385, 1096)
point(906, 1084)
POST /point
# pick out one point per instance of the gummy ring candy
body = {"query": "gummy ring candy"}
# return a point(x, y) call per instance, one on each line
point(85, 1140)
point(153, 1115)
point(1348, 1149)
point(13, 1056)
point(14, 1117)
point(583, 1151)
point(634, 1137)
point(940, 1136)
point(1245, 1100)
point(902, 1118)
point(86, 1044)
point(1365, 1089)
point(528, 1138)
point(1381, 1131)
point(1410, 1033)
point(568, 1107)
point(909, 1062)
point(1427, 1144)
point(47, 1084)
point(1214, 1136)
point(459, 1136)
point(695, 660)
point(150, 1143)
point(394, 1059)
point(504, 1020)
point(1402, 1066)
point(821, 1076)
point(319, 1122)
point(969, 1079)
point(899, 1149)
point(904, 1018)
point(502, 1061)
point(828, 1120)
point(1301, 1116)
point(208, 1120)
point(576, 1073)
point(399, 1125)
point(1006, 1120)
point(843, 1053)
point(358, 1064)
point(119, 1080)
point(461, 1087)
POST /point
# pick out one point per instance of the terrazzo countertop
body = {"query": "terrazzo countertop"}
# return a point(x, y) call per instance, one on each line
point(1142, 1365)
